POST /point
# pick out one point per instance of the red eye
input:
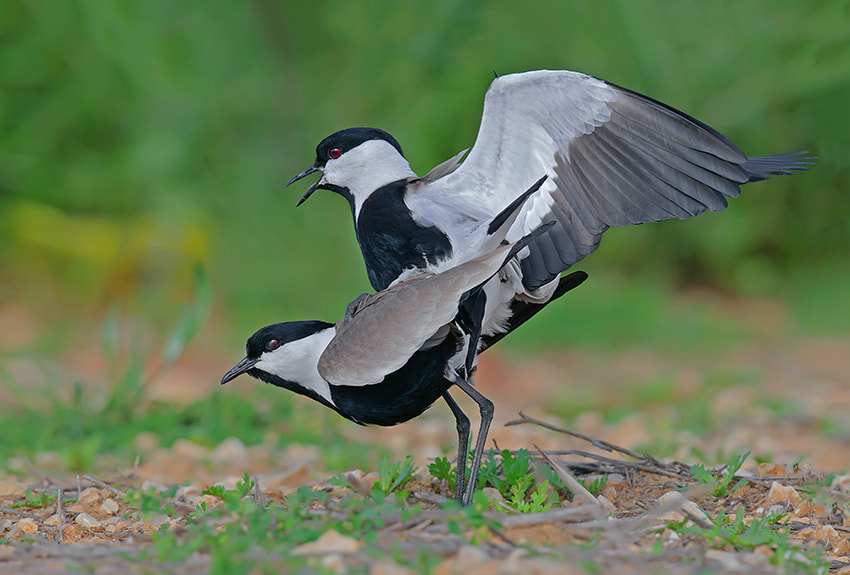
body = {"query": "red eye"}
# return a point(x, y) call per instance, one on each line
point(334, 153)
point(272, 345)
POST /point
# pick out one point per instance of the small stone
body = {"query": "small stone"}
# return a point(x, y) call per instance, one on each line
point(493, 494)
point(783, 494)
point(606, 503)
point(843, 548)
point(88, 501)
point(331, 541)
point(371, 478)
point(189, 449)
point(334, 563)
point(772, 470)
point(728, 561)
point(809, 507)
point(677, 507)
point(113, 524)
point(27, 526)
point(610, 492)
point(390, 567)
point(53, 520)
point(293, 477)
point(109, 506)
point(231, 451)
point(73, 532)
point(211, 501)
point(147, 485)
point(842, 482)
point(186, 490)
point(87, 521)
point(12, 489)
point(616, 479)
point(468, 557)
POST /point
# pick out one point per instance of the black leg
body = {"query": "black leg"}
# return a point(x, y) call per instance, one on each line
point(486, 408)
point(462, 444)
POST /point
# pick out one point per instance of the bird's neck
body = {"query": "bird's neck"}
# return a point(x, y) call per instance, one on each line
point(392, 241)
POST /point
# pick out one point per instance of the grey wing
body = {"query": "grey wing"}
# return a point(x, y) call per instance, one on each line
point(382, 335)
point(615, 157)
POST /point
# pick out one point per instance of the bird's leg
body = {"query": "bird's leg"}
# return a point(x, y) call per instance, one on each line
point(486, 408)
point(462, 444)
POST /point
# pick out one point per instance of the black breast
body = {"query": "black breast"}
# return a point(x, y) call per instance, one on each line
point(391, 240)
point(403, 394)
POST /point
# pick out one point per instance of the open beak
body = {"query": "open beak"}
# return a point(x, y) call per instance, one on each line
point(240, 368)
point(311, 189)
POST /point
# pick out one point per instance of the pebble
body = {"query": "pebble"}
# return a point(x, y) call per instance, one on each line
point(12, 489)
point(783, 494)
point(187, 490)
point(87, 521)
point(189, 449)
point(113, 524)
point(211, 501)
point(109, 506)
point(468, 557)
point(334, 563)
point(27, 526)
point(231, 451)
point(493, 494)
point(88, 500)
point(675, 505)
point(147, 485)
point(606, 503)
point(331, 541)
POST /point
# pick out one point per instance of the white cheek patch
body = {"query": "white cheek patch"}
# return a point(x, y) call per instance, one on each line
point(297, 361)
point(367, 167)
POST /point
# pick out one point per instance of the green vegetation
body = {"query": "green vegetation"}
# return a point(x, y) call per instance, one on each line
point(243, 535)
point(144, 148)
point(723, 486)
point(393, 476)
point(142, 138)
point(770, 531)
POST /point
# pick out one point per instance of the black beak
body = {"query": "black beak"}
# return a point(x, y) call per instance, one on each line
point(311, 189)
point(240, 368)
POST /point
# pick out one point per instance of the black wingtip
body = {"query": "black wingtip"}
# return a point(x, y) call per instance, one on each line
point(529, 239)
point(495, 73)
point(762, 167)
point(502, 216)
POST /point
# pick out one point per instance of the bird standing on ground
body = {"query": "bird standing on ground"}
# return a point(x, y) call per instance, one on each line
point(613, 157)
point(394, 353)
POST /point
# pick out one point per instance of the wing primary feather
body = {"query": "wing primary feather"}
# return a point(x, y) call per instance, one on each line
point(761, 167)
point(705, 170)
point(643, 137)
point(681, 127)
point(506, 213)
point(632, 199)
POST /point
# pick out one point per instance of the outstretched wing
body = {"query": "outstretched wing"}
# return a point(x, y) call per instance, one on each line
point(614, 157)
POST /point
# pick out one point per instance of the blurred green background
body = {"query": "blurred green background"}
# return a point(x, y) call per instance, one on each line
point(140, 139)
